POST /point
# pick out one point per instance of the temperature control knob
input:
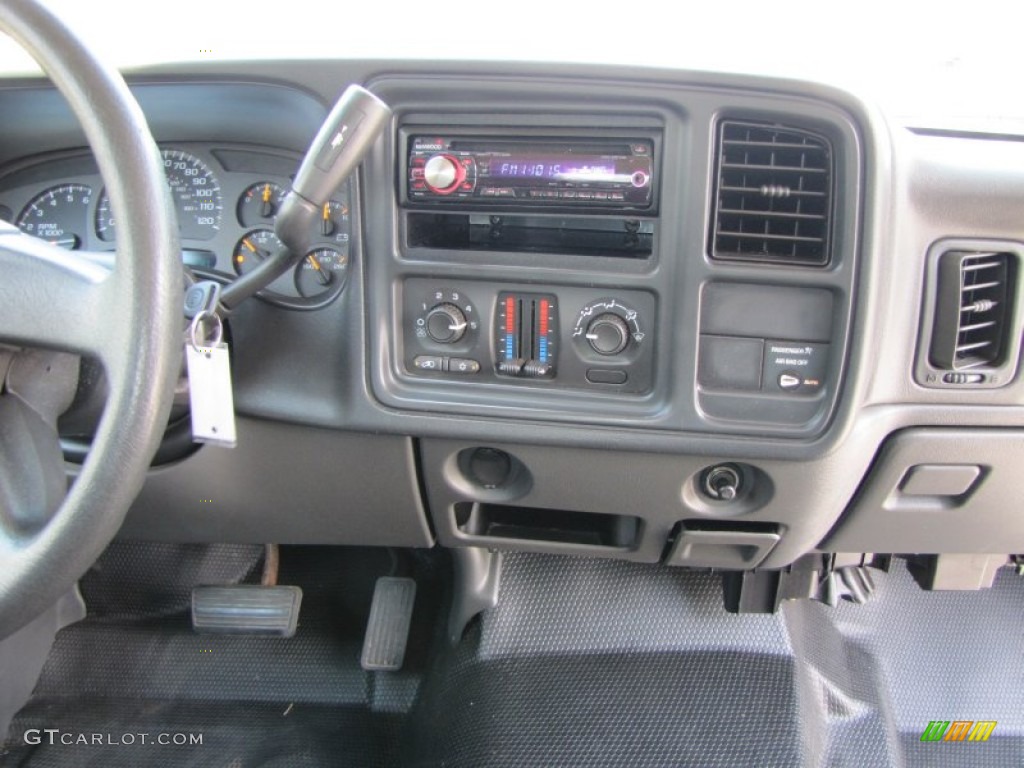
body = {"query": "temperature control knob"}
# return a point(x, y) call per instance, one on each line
point(443, 174)
point(446, 323)
point(608, 334)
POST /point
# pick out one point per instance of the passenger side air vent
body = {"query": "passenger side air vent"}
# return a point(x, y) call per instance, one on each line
point(973, 321)
point(773, 195)
point(972, 311)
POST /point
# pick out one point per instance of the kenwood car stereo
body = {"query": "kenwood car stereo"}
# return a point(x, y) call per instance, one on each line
point(612, 174)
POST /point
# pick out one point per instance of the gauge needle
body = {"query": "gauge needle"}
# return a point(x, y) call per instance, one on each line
point(255, 251)
point(266, 209)
point(326, 225)
point(69, 242)
point(325, 278)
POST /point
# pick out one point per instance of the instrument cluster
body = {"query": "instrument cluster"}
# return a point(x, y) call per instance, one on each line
point(225, 198)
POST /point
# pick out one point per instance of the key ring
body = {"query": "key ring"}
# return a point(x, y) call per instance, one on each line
point(194, 331)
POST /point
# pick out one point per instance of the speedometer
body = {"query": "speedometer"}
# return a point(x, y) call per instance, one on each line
point(197, 198)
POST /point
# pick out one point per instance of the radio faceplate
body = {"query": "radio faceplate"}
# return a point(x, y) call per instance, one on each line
point(537, 173)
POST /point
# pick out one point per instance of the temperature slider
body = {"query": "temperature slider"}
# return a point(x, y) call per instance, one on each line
point(526, 334)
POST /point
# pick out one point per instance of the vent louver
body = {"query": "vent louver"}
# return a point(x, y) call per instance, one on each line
point(773, 195)
point(972, 310)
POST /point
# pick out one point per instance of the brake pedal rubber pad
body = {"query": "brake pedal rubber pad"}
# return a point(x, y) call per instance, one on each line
point(246, 609)
point(387, 632)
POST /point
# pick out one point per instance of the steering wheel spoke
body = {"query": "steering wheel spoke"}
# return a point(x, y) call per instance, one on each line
point(32, 476)
point(51, 297)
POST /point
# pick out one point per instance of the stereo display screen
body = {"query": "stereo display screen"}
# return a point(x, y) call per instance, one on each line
point(555, 168)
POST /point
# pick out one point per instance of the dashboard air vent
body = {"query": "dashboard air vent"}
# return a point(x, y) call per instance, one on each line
point(773, 195)
point(972, 310)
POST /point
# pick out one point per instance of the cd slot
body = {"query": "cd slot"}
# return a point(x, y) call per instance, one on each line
point(586, 236)
point(568, 146)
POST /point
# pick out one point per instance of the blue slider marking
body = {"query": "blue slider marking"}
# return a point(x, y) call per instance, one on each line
point(544, 349)
point(509, 343)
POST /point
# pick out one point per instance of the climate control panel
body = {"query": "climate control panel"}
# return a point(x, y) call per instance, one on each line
point(560, 337)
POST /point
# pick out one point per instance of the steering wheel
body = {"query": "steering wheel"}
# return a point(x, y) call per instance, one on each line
point(129, 317)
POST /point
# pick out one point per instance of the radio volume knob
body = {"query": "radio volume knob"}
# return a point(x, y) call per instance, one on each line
point(608, 334)
point(443, 174)
point(446, 324)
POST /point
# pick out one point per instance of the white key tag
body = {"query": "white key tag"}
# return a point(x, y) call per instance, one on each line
point(209, 379)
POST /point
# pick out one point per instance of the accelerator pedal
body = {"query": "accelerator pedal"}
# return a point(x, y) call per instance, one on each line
point(246, 609)
point(387, 632)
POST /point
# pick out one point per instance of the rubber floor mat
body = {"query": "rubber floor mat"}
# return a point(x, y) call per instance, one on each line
point(583, 663)
point(603, 663)
point(230, 735)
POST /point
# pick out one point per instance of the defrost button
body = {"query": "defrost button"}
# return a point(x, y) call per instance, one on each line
point(463, 365)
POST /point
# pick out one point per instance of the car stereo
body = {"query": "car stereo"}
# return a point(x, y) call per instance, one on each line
point(616, 174)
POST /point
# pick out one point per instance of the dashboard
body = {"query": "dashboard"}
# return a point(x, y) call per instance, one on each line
point(667, 317)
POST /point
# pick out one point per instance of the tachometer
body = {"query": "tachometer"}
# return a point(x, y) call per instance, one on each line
point(197, 198)
point(59, 215)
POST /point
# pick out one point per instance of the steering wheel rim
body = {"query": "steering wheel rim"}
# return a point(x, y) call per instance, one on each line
point(130, 318)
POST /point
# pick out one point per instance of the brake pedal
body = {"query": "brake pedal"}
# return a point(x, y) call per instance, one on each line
point(387, 632)
point(246, 609)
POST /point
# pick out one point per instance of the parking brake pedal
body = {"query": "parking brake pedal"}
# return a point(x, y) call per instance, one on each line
point(246, 609)
point(387, 632)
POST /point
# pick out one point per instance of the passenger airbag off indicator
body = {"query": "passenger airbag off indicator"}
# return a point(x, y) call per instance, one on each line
point(789, 381)
point(795, 367)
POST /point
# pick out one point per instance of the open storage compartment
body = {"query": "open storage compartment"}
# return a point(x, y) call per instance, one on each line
point(573, 235)
point(556, 526)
